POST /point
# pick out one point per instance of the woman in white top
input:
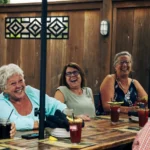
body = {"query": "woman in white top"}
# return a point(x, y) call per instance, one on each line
point(74, 94)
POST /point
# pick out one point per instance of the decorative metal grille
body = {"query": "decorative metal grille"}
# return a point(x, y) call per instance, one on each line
point(30, 27)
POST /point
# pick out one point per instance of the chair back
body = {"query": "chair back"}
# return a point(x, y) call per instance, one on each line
point(98, 104)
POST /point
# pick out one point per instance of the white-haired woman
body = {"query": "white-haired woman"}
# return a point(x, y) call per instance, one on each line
point(120, 86)
point(22, 99)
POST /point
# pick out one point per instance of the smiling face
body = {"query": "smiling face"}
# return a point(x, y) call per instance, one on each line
point(123, 66)
point(15, 87)
point(73, 78)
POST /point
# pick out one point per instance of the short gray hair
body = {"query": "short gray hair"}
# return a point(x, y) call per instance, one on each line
point(6, 72)
point(123, 53)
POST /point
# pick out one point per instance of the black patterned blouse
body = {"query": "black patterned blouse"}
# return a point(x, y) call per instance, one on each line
point(129, 98)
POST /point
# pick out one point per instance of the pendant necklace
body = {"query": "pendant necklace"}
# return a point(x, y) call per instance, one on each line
point(121, 86)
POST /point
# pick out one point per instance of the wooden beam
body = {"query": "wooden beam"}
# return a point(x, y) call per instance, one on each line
point(106, 40)
point(52, 6)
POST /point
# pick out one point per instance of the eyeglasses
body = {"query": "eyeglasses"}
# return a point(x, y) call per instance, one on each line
point(75, 73)
point(124, 62)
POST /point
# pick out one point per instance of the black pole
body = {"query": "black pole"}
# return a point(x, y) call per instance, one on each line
point(43, 69)
point(149, 88)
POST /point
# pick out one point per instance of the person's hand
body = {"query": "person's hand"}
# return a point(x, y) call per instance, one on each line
point(13, 130)
point(143, 99)
point(84, 117)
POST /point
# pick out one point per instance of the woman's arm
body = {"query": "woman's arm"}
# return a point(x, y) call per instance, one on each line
point(126, 109)
point(141, 92)
point(84, 117)
point(59, 96)
point(107, 91)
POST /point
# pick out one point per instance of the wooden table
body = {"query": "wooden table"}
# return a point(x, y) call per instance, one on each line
point(97, 134)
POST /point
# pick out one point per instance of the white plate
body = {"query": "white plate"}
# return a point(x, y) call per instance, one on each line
point(136, 119)
point(58, 132)
point(60, 135)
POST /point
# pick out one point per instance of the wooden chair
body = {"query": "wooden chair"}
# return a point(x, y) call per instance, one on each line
point(98, 104)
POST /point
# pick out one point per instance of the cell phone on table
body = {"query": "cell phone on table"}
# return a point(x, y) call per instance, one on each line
point(30, 136)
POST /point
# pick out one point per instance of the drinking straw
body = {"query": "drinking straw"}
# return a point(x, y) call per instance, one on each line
point(73, 116)
point(9, 115)
point(113, 100)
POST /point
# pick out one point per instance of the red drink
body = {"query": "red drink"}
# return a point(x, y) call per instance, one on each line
point(115, 111)
point(75, 130)
point(143, 116)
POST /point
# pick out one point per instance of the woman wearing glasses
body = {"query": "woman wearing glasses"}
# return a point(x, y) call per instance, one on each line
point(119, 86)
point(73, 93)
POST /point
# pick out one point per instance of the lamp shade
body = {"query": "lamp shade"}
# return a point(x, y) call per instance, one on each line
point(104, 27)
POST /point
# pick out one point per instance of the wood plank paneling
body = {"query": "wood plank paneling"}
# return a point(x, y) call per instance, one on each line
point(3, 41)
point(129, 30)
point(105, 57)
point(75, 43)
point(123, 29)
point(124, 32)
point(52, 6)
point(141, 46)
point(78, 48)
point(56, 59)
point(92, 49)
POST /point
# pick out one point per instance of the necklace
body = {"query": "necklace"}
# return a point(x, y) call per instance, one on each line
point(125, 87)
point(120, 84)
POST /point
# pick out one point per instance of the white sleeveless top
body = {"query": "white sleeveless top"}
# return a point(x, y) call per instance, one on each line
point(81, 104)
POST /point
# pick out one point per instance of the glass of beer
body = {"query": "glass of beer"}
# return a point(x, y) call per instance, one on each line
point(75, 127)
point(5, 127)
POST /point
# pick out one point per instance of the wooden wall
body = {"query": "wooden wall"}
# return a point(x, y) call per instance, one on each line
point(129, 30)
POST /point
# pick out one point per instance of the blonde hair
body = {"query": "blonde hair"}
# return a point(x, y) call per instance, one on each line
point(121, 54)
